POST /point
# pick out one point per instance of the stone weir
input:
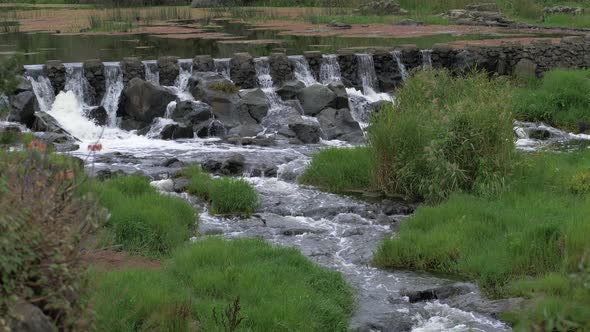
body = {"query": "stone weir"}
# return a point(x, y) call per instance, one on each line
point(390, 65)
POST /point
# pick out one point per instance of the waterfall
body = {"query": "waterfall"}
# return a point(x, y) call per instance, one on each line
point(262, 66)
point(329, 69)
point(366, 72)
point(301, 70)
point(152, 74)
point(400, 66)
point(426, 59)
point(77, 82)
point(114, 87)
point(67, 110)
point(185, 70)
point(170, 108)
point(222, 66)
point(157, 127)
point(41, 86)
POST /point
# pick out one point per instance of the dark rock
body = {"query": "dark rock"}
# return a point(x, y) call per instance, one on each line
point(259, 141)
point(341, 95)
point(410, 23)
point(22, 108)
point(525, 69)
point(175, 131)
point(173, 163)
point(539, 133)
point(23, 85)
point(265, 171)
point(232, 166)
point(143, 101)
point(45, 122)
point(132, 68)
point(396, 208)
point(212, 166)
point(437, 293)
point(203, 63)
point(97, 114)
point(306, 131)
point(382, 7)
point(94, 72)
point(483, 7)
point(168, 68)
point(290, 89)
point(315, 98)
point(211, 128)
point(208, 3)
point(105, 174)
point(56, 73)
point(246, 130)
point(339, 124)
point(29, 318)
point(181, 185)
point(191, 112)
point(280, 68)
point(243, 72)
point(255, 103)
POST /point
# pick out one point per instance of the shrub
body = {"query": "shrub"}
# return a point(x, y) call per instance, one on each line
point(580, 183)
point(561, 99)
point(340, 170)
point(278, 289)
point(224, 87)
point(8, 71)
point(43, 227)
point(444, 134)
point(224, 195)
point(142, 220)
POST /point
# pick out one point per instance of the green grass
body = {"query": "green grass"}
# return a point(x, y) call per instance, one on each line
point(444, 134)
point(340, 170)
point(376, 19)
point(142, 221)
point(279, 290)
point(535, 228)
point(226, 196)
point(561, 99)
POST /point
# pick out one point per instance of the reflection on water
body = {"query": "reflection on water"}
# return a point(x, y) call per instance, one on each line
point(40, 47)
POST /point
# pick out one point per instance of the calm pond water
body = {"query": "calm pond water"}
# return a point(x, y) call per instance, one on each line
point(39, 47)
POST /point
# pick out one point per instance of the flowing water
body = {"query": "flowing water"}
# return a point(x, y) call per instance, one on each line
point(301, 70)
point(426, 59)
point(152, 74)
point(77, 82)
point(338, 232)
point(366, 73)
point(114, 86)
point(185, 71)
point(330, 69)
point(397, 56)
point(223, 67)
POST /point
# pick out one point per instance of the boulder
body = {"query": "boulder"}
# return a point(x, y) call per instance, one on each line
point(97, 114)
point(306, 131)
point(56, 73)
point(290, 89)
point(339, 124)
point(45, 122)
point(315, 98)
point(438, 293)
point(168, 68)
point(29, 318)
point(211, 128)
point(243, 71)
point(22, 108)
point(203, 63)
point(23, 85)
point(176, 131)
point(143, 101)
point(223, 97)
point(280, 68)
point(232, 166)
point(94, 72)
point(191, 112)
point(341, 95)
point(382, 7)
point(246, 130)
point(525, 69)
point(132, 68)
point(255, 103)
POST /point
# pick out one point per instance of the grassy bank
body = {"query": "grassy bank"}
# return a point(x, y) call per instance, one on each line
point(530, 239)
point(226, 196)
point(561, 99)
point(278, 289)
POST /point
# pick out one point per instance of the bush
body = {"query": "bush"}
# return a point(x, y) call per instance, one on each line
point(43, 227)
point(340, 170)
point(561, 99)
point(278, 289)
point(513, 244)
point(142, 220)
point(225, 195)
point(444, 134)
point(580, 183)
point(224, 87)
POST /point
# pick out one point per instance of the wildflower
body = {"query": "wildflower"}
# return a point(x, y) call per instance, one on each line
point(37, 145)
point(69, 174)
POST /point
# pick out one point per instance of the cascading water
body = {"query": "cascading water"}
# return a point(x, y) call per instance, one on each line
point(67, 110)
point(222, 66)
point(301, 70)
point(397, 56)
point(41, 86)
point(114, 86)
point(77, 82)
point(366, 73)
point(152, 74)
point(185, 71)
point(266, 83)
point(426, 59)
point(330, 69)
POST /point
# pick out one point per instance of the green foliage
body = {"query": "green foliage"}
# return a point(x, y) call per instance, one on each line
point(224, 87)
point(142, 220)
point(340, 170)
point(278, 289)
point(533, 228)
point(43, 227)
point(580, 183)
point(8, 71)
point(444, 134)
point(225, 195)
point(561, 99)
